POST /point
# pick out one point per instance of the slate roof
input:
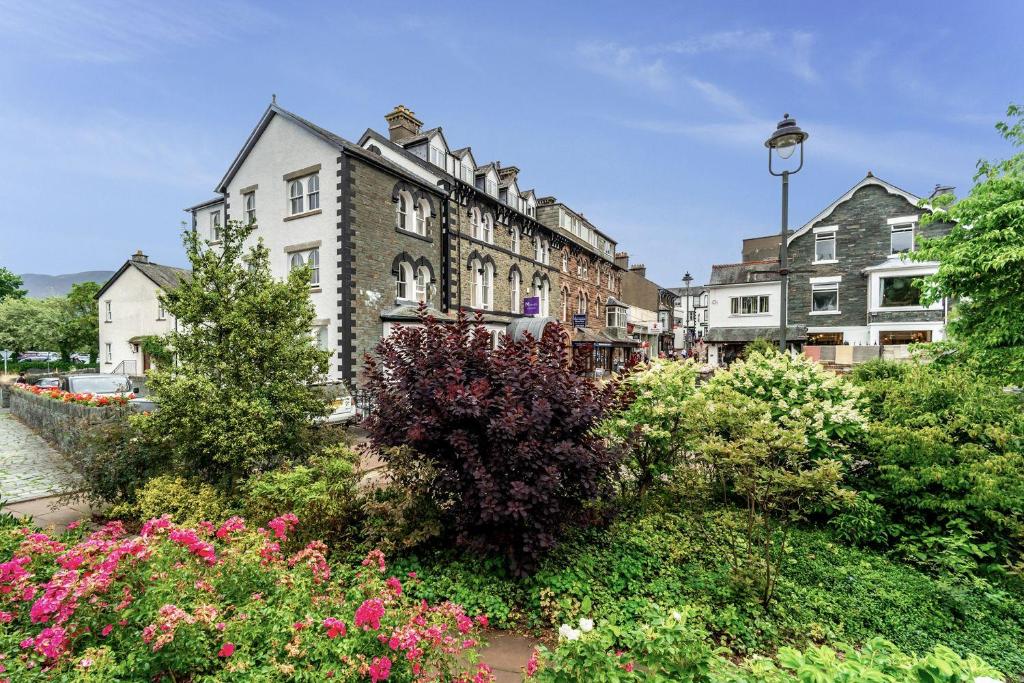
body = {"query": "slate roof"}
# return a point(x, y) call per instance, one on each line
point(420, 137)
point(744, 273)
point(164, 277)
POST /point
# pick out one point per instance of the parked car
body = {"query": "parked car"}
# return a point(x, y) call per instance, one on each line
point(47, 382)
point(38, 356)
point(100, 384)
point(83, 358)
point(343, 409)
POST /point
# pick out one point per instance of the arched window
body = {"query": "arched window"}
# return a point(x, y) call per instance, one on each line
point(421, 217)
point(515, 240)
point(404, 281)
point(313, 261)
point(477, 298)
point(422, 284)
point(250, 207)
point(295, 194)
point(474, 223)
point(313, 192)
point(565, 304)
point(487, 234)
point(581, 303)
point(404, 207)
point(542, 290)
point(487, 298)
point(296, 261)
point(515, 292)
point(565, 262)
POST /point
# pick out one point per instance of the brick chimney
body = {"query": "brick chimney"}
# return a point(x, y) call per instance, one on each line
point(139, 257)
point(622, 259)
point(402, 123)
point(640, 269)
point(508, 173)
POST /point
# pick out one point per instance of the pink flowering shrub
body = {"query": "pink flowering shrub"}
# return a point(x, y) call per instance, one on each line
point(216, 602)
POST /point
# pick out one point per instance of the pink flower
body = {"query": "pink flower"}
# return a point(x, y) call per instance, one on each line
point(335, 627)
point(369, 613)
point(106, 630)
point(395, 585)
point(51, 642)
point(232, 525)
point(380, 669)
point(226, 650)
point(482, 620)
point(532, 665)
point(375, 557)
point(283, 525)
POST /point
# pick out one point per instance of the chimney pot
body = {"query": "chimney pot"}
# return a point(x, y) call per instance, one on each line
point(402, 123)
point(139, 257)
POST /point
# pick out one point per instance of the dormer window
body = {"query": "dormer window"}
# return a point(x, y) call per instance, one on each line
point(491, 187)
point(438, 157)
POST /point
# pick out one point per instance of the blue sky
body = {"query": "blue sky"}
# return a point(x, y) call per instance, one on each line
point(648, 117)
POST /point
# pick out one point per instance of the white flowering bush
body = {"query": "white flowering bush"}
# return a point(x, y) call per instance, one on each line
point(650, 428)
point(670, 648)
point(799, 392)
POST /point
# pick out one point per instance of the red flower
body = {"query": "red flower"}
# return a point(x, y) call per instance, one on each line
point(226, 650)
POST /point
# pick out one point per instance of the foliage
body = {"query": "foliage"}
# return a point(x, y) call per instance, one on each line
point(509, 432)
point(79, 327)
point(879, 369)
point(830, 592)
point(801, 395)
point(946, 460)
point(742, 453)
point(81, 398)
point(760, 346)
point(239, 398)
point(10, 285)
point(669, 648)
point(401, 511)
point(50, 366)
point(216, 604)
point(29, 324)
point(325, 491)
point(981, 261)
point(184, 502)
point(120, 457)
point(650, 428)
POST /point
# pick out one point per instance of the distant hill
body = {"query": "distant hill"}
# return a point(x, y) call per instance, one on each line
point(42, 286)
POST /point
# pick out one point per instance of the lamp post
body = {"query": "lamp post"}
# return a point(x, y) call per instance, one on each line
point(783, 142)
point(687, 279)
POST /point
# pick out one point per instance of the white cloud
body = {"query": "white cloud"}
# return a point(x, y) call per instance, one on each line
point(720, 98)
point(104, 31)
point(625, 64)
point(109, 144)
point(790, 50)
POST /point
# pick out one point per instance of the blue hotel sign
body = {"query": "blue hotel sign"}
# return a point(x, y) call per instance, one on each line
point(579, 320)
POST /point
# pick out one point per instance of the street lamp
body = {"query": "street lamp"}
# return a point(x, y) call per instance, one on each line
point(784, 141)
point(687, 279)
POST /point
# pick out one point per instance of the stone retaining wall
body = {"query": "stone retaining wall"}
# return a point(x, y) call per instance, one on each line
point(68, 427)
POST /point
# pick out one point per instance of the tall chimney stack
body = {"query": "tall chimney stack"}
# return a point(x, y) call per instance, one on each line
point(402, 123)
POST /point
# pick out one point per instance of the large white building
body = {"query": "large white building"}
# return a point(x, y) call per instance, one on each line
point(130, 310)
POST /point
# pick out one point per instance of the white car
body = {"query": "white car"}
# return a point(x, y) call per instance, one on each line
point(343, 408)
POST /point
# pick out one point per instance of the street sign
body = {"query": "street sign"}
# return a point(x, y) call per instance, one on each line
point(579, 320)
point(6, 356)
point(531, 305)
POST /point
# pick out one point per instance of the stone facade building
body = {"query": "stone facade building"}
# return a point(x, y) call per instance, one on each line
point(400, 219)
point(851, 282)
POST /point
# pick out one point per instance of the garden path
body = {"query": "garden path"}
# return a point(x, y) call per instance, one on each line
point(507, 654)
point(29, 467)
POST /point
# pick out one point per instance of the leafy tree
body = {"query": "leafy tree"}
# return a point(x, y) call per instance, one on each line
point(10, 285)
point(742, 454)
point(80, 325)
point(508, 432)
point(239, 398)
point(29, 324)
point(946, 455)
point(981, 261)
point(651, 427)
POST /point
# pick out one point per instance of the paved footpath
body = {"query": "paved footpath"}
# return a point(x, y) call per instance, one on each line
point(29, 467)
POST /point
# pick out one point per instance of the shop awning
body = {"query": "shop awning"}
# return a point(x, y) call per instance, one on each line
point(739, 335)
